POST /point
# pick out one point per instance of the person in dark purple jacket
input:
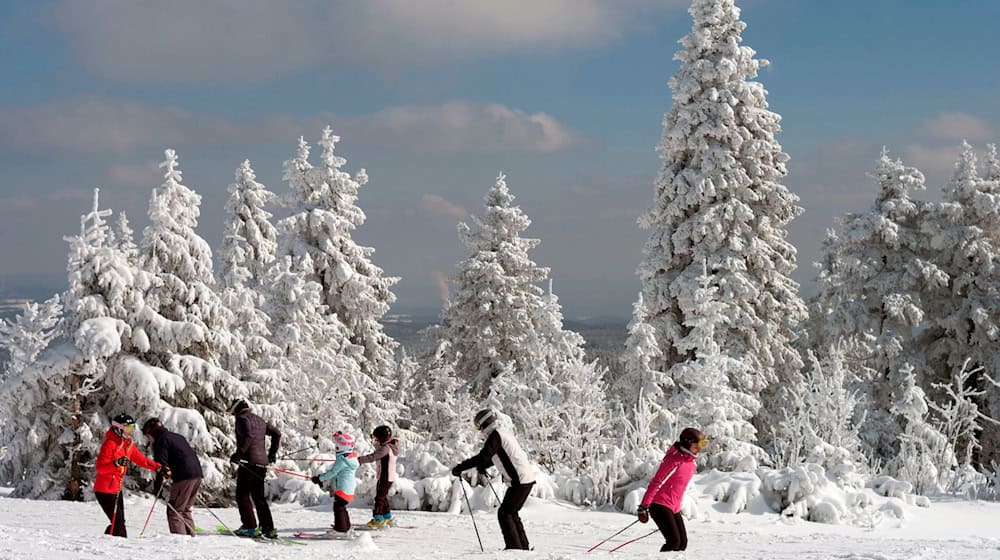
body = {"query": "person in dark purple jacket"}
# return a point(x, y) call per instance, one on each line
point(252, 464)
point(184, 470)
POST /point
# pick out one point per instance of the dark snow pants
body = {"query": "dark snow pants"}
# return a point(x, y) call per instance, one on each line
point(510, 521)
point(671, 525)
point(341, 519)
point(182, 495)
point(250, 494)
point(107, 502)
point(381, 505)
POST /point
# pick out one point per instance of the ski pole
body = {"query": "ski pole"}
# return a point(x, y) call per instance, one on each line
point(469, 504)
point(613, 536)
point(633, 540)
point(118, 497)
point(221, 522)
point(276, 469)
point(151, 508)
point(285, 456)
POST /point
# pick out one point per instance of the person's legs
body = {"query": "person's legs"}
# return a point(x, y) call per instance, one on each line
point(510, 522)
point(682, 542)
point(341, 519)
point(244, 483)
point(182, 495)
point(381, 507)
point(107, 502)
point(260, 500)
point(667, 523)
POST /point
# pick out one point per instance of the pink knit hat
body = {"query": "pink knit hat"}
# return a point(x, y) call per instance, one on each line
point(344, 441)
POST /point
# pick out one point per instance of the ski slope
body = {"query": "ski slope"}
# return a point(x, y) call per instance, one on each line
point(950, 529)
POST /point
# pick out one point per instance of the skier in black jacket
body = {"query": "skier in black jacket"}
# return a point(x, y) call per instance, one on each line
point(252, 468)
point(502, 451)
point(184, 470)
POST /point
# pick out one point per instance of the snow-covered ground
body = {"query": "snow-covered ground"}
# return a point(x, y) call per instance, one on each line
point(950, 529)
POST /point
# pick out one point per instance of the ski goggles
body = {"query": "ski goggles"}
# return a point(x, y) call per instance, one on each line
point(704, 442)
point(124, 428)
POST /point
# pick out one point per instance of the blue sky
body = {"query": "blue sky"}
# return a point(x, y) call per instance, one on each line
point(434, 98)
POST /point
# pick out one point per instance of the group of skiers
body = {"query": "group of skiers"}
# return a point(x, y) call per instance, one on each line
point(174, 459)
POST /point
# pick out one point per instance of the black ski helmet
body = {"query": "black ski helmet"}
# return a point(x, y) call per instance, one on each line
point(239, 405)
point(483, 418)
point(123, 425)
point(382, 433)
point(690, 436)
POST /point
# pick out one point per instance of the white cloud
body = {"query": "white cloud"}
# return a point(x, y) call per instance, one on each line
point(438, 205)
point(958, 126)
point(937, 162)
point(247, 41)
point(116, 126)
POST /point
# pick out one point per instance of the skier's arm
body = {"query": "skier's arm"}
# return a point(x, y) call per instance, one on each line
point(382, 451)
point(242, 439)
point(484, 459)
point(667, 468)
point(275, 440)
point(106, 456)
point(138, 458)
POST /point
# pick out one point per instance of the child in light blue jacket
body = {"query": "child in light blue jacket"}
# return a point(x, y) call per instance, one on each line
point(342, 473)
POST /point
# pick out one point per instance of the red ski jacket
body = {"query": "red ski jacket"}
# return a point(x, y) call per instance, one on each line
point(671, 479)
point(109, 476)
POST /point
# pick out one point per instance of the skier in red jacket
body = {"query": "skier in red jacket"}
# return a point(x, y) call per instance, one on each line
point(112, 461)
point(662, 500)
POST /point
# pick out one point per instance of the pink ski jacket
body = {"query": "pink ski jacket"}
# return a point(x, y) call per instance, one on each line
point(671, 479)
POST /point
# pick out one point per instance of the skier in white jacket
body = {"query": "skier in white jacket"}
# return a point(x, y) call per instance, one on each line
point(502, 451)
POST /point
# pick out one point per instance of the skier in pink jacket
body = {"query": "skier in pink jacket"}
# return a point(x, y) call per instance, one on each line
point(662, 500)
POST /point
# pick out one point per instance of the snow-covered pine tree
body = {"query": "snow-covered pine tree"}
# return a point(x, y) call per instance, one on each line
point(491, 313)
point(961, 420)
point(353, 287)
point(55, 409)
point(185, 331)
point(319, 363)
point(925, 456)
point(874, 285)
point(719, 201)
point(125, 238)
point(965, 234)
point(31, 331)
point(641, 390)
point(704, 395)
point(435, 398)
point(248, 250)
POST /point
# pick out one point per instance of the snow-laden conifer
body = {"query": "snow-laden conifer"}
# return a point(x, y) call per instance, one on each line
point(640, 390)
point(719, 201)
point(496, 290)
point(353, 288)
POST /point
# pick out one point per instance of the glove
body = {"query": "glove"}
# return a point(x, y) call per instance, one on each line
point(456, 471)
point(121, 461)
point(483, 479)
point(235, 457)
point(316, 480)
point(272, 457)
point(643, 514)
point(165, 471)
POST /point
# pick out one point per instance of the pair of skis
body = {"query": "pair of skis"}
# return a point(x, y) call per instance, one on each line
point(223, 530)
point(333, 536)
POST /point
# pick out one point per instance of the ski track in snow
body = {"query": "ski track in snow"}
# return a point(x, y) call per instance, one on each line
point(55, 530)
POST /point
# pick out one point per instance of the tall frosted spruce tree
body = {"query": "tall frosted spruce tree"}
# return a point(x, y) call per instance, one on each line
point(719, 202)
point(352, 287)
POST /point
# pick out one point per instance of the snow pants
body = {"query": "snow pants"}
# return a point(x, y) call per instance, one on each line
point(108, 502)
point(341, 519)
point(182, 495)
point(510, 521)
point(671, 525)
point(250, 494)
point(381, 506)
